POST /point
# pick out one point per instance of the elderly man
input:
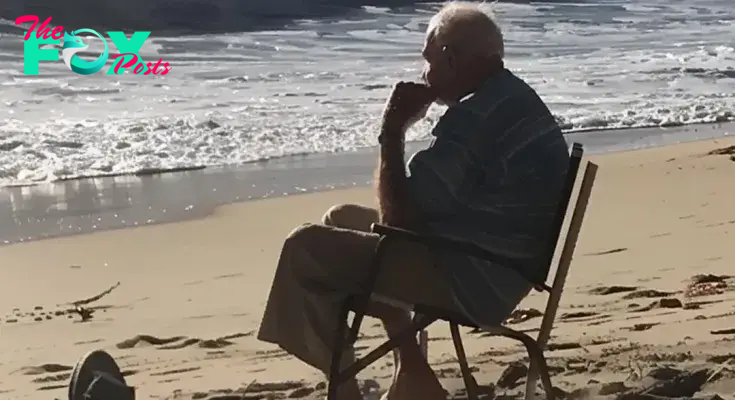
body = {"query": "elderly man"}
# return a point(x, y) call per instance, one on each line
point(492, 176)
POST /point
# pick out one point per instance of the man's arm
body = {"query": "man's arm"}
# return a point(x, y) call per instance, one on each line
point(397, 206)
point(408, 102)
point(443, 174)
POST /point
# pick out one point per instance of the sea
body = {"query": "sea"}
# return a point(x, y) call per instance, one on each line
point(317, 86)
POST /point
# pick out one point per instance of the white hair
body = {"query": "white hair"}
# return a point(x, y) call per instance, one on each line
point(469, 27)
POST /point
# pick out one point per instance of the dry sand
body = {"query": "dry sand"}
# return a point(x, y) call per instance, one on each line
point(190, 295)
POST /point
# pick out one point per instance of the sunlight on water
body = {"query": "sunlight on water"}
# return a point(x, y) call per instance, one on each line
point(318, 85)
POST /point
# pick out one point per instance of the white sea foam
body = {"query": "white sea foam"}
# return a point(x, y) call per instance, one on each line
point(319, 85)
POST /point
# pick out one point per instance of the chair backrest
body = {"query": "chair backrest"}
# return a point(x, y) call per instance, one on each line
point(565, 260)
point(575, 159)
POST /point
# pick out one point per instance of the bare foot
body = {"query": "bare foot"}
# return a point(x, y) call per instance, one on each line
point(349, 391)
point(415, 386)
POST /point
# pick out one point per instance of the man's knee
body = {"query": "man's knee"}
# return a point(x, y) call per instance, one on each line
point(296, 247)
point(350, 216)
point(300, 236)
point(337, 214)
point(317, 252)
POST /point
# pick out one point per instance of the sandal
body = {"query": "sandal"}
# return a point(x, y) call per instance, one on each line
point(97, 377)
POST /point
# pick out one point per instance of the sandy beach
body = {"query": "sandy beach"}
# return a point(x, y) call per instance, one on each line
point(647, 299)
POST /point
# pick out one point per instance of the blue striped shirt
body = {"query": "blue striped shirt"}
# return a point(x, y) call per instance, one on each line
point(492, 175)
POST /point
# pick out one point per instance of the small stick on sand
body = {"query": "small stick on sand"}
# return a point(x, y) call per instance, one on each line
point(86, 313)
point(95, 298)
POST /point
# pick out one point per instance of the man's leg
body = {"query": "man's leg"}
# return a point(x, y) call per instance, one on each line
point(411, 368)
point(301, 314)
point(319, 266)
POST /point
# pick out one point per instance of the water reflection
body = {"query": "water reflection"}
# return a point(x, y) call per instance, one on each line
point(86, 205)
point(63, 208)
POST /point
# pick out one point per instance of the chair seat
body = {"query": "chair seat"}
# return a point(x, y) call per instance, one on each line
point(445, 315)
point(437, 313)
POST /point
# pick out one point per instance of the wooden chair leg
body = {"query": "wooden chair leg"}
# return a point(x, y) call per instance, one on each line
point(340, 341)
point(538, 368)
point(469, 381)
point(424, 343)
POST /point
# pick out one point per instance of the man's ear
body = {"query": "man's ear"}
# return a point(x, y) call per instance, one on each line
point(453, 63)
point(449, 57)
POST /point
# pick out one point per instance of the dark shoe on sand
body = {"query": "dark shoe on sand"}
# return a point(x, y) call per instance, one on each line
point(97, 377)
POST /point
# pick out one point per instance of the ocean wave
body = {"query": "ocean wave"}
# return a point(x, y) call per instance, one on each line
point(184, 16)
point(157, 145)
point(708, 73)
point(318, 86)
point(205, 16)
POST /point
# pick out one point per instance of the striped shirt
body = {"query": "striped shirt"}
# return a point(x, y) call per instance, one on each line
point(492, 175)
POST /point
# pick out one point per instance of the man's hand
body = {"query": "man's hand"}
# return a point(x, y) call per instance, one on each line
point(407, 104)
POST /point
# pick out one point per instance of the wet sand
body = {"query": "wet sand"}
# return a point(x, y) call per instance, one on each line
point(96, 204)
point(649, 299)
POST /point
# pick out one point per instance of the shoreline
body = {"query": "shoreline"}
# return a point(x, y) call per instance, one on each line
point(178, 305)
point(646, 131)
point(94, 204)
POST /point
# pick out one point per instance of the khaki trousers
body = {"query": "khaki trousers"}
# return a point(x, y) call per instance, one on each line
point(320, 265)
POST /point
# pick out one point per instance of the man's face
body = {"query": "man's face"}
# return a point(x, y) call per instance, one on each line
point(439, 72)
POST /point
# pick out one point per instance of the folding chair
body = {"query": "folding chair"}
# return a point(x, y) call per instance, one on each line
point(426, 315)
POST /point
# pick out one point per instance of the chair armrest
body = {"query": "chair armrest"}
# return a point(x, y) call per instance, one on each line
point(458, 246)
point(444, 243)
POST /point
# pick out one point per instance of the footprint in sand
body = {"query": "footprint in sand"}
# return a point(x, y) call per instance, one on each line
point(52, 387)
point(179, 342)
point(45, 369)
point(577, 315)
point(642, 327)
point(721, 358)
point(660, 303)
point(607, 290)
point(707, 285)
point(204, 344)
point(606, 252)
point(647, 294)
point(39, 314)
point(88, 342)
point(129, 372)
point(147, 340)
point(270, 354)
point(175, 371)
point(563, 346)
point(53, 378)
point(50, 374)
point(716, 224)
point(257, 390)
point(660, 235)
point(450, 372)
point(229, 276)
point(696, 305)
